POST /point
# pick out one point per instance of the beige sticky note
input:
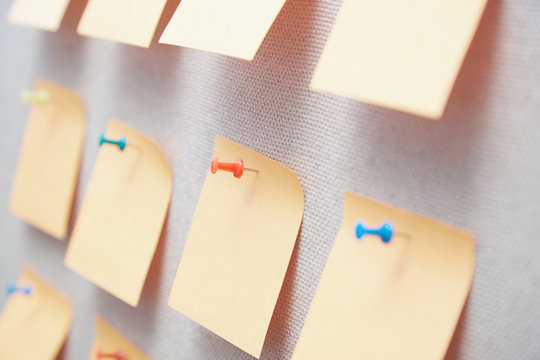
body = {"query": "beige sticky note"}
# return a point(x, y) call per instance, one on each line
point(238, 248)
point(130, 22)
point(42, 14)
point(404, 55)
point(400, 300)
point(108, 340)
point(234, 28)
point(49, 160)
point(122, 214)
point(34, 326)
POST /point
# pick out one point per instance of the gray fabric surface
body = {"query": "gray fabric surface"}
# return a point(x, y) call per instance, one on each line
point(477, 168)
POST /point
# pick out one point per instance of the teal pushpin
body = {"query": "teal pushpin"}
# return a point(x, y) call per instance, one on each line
point(12, 289)
point(40, 96)
point(385, 232)
point(121, 143)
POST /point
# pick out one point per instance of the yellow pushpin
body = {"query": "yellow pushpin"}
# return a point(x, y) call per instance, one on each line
point(40, 96)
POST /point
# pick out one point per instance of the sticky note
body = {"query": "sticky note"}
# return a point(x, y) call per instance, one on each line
point(108, 340)
point(130, 22)
point(400, 300)
point(404, 55)
point(34, 326)
point(234, 28)
point(49, 160)
point(122, 214)
point(238, 248)
point(41, 14)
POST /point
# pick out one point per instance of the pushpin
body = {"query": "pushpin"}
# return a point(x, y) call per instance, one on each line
point(120, 142)
point(26, 290)
point(385, 232)
point(118, 355)
point(40, 96)
point(237, 167)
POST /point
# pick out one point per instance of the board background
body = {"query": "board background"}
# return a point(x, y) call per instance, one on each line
point(477, 168)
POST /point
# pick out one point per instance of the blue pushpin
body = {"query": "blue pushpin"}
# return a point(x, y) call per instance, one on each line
point(11, 289)
point(385, 232)
point(121, 142)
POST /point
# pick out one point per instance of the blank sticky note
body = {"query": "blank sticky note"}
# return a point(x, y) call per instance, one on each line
point(122, 214)
point(41, 14)
point(234, 28)
point(34, 326)
point(130, 22)
point(395, 301)
point(238, 248)
point(49, 160)
point(404, 55)
point(108, 340)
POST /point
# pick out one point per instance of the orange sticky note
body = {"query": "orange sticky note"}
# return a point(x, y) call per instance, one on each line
point(238, 248)
point(404, 55)
point(122, 214)
point(108, 340)
point(130, 22)
point(49, 161)
point(42, 14)
point(400, 300)
point(234, 28)
point(34, 326)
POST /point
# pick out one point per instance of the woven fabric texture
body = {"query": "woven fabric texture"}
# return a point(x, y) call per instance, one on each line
point(477, 168)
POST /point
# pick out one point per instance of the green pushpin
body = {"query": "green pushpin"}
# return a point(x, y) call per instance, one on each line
point(39, 96)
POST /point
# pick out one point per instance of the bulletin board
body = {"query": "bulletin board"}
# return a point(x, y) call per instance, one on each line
point(476, 168)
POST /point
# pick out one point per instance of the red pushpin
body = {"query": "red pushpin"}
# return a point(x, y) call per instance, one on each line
point(118, 355)
point(237, 167)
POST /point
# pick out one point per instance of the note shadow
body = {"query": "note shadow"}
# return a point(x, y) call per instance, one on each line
point(283, 319)
point(426, 160)
point(62, 54)
point(454, 349)
point(150, 295)
point(262, 94)
point(74, 211)
point(146, 78)
point(62, 355)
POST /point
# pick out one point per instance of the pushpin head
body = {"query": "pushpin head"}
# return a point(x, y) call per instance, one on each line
point(10, 289)
point(214, 165)
point(385, 232)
